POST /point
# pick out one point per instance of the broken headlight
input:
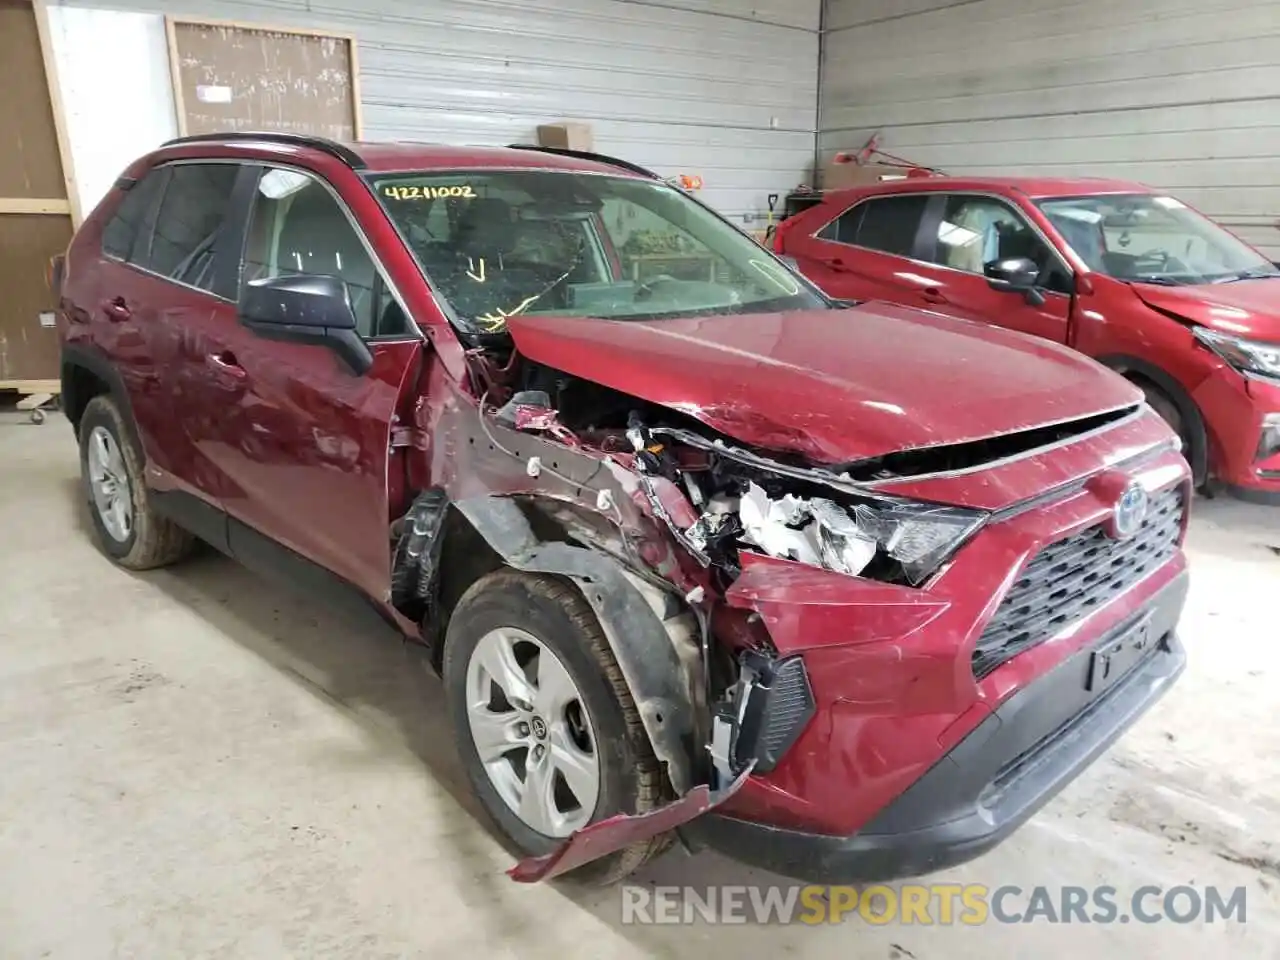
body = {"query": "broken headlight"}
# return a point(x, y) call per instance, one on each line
point(917, 537)
point(920, 536)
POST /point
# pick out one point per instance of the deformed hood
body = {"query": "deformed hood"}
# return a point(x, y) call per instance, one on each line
point(1242, 308)
point(833, 385)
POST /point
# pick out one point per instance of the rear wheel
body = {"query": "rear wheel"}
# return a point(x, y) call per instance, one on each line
point(546, 726)
point(129, 531)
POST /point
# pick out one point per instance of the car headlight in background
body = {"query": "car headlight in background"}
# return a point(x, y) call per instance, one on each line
point(1247, 356)
point(917, 537)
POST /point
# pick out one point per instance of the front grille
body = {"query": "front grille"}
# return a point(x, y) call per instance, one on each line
point(1075, 576)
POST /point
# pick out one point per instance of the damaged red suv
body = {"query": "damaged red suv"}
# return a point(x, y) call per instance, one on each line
point(845, 590)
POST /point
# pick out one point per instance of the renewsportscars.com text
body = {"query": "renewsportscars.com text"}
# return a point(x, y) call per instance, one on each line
point(932, 904)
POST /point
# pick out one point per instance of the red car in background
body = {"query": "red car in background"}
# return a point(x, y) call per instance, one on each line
point(1132, 277)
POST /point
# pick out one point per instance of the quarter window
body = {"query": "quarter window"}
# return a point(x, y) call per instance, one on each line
point(122, 231)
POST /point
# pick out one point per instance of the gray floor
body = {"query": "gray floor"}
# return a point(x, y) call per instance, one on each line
point(197, 764)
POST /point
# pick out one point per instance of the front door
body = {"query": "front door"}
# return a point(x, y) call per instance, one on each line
point(304, 441)
point(965, 232)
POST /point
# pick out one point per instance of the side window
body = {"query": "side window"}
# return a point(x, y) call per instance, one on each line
point(844, 228)
point(976, 231)
point(887, 224)
point(890, 224)
point(122, 230)
point(194, 206)
point(297, 227)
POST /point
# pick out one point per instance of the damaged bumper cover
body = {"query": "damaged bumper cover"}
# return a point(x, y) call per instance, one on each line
point(984, 788)
point(603, 838)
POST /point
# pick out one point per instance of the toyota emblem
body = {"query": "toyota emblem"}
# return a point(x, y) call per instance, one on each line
point(1131, 511)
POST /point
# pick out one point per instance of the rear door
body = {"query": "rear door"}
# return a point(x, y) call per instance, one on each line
point(865, 252)
point(155, 302)
point(305, 442)
point(963, 233)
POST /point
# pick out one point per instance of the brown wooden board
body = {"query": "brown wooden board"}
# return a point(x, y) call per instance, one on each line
point(236, 77)
point(28, 351)
point(30, 164)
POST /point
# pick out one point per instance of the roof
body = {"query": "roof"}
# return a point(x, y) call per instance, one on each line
point(1035, 187)
point(402, 156)
point(381, 157)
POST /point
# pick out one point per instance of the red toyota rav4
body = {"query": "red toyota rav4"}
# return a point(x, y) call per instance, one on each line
point(678, 532)
point(1132, 277)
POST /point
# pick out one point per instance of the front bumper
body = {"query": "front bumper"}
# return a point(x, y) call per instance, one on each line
point(991, 782)
point(1235, 408)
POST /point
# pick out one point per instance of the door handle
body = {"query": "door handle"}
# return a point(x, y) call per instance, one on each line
point(226, 365)
point(835, 263)
point(932, 295)
point(117, 310)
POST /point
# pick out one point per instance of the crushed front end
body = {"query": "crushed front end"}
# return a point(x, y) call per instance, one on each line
point(877, 676)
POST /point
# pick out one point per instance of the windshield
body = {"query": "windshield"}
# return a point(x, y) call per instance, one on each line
point(1152, 239)
point(499, 243)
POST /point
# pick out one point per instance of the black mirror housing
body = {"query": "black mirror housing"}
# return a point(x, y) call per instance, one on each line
point(306, 308)
point(1012, 273)
point(1015, 275)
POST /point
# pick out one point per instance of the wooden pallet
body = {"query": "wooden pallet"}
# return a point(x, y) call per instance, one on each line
point(34, 393)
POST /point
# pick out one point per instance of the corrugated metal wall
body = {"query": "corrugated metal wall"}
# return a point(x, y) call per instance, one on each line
point(1180, 94)
point(722, 88)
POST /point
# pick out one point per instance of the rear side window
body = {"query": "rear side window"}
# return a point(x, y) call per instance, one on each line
point(194, 206)
point(121, 232)
point(887, 224)
point(844, 228)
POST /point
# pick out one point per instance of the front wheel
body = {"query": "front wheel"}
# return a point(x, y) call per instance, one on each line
point(547, 729)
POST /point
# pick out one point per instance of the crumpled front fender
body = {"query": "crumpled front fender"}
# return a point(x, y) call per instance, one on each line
point(639, 641)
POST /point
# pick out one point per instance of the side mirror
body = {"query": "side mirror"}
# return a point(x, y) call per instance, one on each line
point(306, 309)
point(1015, 275)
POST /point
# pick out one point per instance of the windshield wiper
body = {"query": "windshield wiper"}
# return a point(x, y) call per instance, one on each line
point(1254, 274)
point(1158, 281)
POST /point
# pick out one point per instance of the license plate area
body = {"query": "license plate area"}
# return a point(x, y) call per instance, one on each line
point(1117, 656)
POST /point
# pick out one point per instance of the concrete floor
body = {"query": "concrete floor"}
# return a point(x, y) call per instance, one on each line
point(197, 764)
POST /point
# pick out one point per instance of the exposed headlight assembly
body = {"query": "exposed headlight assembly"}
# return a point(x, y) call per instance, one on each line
point(1247, 356)
point(918, 537)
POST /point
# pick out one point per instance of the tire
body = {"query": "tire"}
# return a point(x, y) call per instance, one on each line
point(1172, 414)
point(555, 614)
point(147, 540)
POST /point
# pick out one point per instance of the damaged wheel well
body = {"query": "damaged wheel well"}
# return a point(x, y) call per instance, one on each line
point(654, 638)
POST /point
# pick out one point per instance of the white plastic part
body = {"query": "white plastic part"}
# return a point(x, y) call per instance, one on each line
point(534, 467)
point(817, 531)
point(765, 523)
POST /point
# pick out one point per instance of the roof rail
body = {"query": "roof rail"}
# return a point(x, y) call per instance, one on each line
point(588, 155)
point(324, 144)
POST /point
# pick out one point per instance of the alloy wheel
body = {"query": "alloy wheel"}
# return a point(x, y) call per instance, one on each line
point(532, 732)
point(109, 484)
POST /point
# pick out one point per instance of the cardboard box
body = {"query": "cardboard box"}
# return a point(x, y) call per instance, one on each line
point(838, 176)
point(568, 135)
